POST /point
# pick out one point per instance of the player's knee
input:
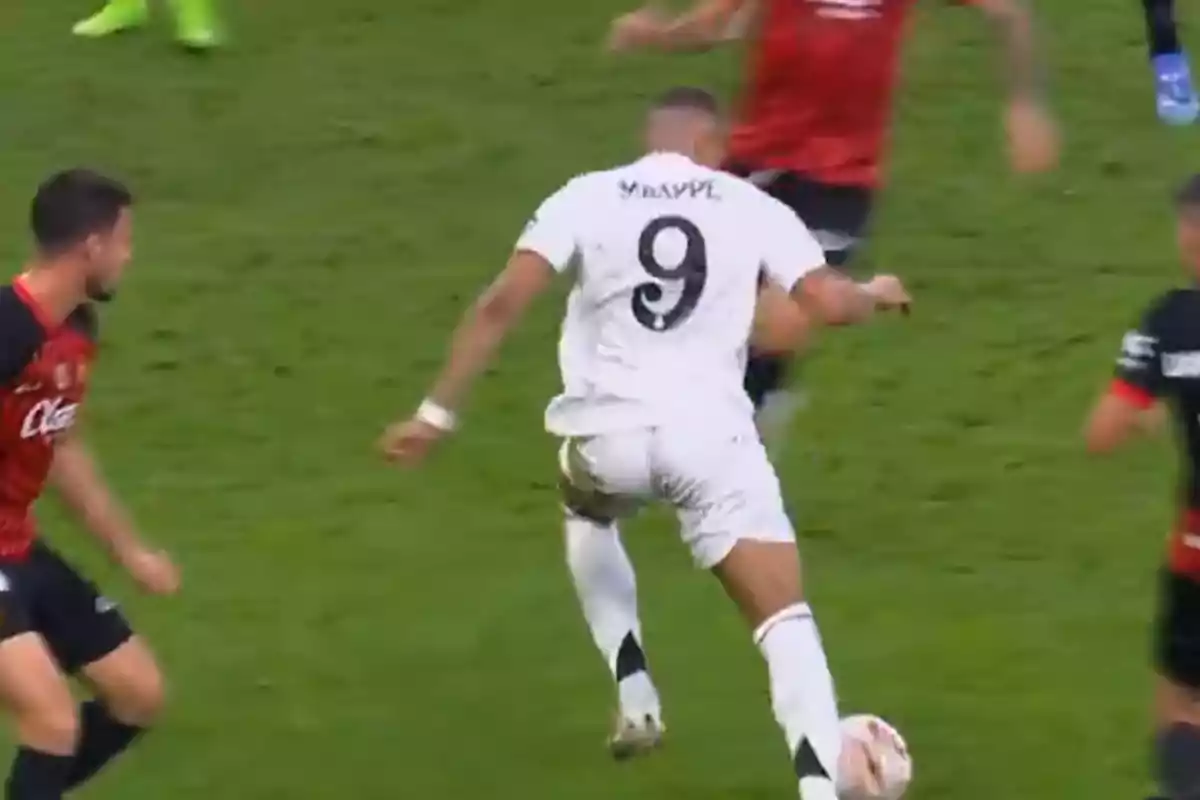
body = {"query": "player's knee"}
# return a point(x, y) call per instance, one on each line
point(132, 687)
point(1178, 756)
point(141, 701)
point(1177, 702)
point(151, 700)
point(49, 728)
point(762, 577)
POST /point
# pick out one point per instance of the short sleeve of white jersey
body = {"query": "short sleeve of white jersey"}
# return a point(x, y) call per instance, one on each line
point(553, 232)
point(790, 251)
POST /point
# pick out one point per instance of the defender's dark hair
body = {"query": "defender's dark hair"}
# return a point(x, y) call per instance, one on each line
point(691, 98)
point(71, 205)
point(1188, 194)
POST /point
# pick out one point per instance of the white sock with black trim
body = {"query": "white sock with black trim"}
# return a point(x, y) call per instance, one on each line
point(607, 589)
point(803, 698)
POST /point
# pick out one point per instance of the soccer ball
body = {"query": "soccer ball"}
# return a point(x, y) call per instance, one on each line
point(874, 763)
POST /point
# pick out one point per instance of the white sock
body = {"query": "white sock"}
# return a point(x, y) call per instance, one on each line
point(607, 589)
point(802, 697)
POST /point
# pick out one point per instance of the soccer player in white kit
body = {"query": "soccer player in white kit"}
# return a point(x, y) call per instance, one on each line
point(667, 254)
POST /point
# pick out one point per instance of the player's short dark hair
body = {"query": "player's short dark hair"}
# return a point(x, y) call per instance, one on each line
point(1188, 193)
point(71, 205)
point(689, 98)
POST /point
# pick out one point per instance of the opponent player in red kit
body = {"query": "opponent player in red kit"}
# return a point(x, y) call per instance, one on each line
point(53, 622)
point(816, 109)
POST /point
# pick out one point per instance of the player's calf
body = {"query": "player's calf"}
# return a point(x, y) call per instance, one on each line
point(763, 579)
point(129, 682)
point(130, 695)
point(36, 695)
point(606, 586)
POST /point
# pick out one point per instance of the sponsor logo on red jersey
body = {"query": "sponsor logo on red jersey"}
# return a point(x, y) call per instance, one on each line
point(49, 417)
point(848, 9)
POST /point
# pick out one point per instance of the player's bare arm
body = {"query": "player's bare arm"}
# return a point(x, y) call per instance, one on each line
point(1032, 132)
point(834, 299)
point(472, 347)
point(707, 23)
point(1014, 23)
point(783, 323)
point(1132, 402)
point(1116, 418)
point(84, 491)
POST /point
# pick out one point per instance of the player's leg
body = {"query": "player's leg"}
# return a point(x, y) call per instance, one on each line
point(196, 24)
point(1177, 743)
point(1175, 94)
point(114, 17)
point(781, 333)
point(732, 516)
point(763, 580)
point(838, 218)
point(91, 638)
point(606, 586)
point(130, 694)
point(35, 694)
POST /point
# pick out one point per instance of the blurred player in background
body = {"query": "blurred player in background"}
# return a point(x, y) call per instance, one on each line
point(815, 112)
point(53, 622)
point(666, 255)
point(1173, 88)
point(1160, 361)
point(196, 25)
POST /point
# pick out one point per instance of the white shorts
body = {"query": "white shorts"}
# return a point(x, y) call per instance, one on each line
point(721, 484)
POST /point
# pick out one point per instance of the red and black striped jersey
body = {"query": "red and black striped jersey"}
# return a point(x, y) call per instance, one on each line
point(43, 377)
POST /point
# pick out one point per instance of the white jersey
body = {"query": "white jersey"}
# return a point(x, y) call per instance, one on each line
point(667, 257)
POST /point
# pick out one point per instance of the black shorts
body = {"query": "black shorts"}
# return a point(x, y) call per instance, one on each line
point(1177, 629)
point(838, 216)
point(43, 594)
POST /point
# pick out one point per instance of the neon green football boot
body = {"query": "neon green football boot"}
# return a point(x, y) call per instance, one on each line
point(196, 24)
point(117, 16)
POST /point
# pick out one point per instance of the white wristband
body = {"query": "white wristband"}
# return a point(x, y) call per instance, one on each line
point(438, 416)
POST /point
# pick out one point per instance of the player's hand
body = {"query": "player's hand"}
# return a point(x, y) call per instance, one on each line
point(635, 30)
point(152, 570)
point(889, 292)
point(1032, 136)
point(410, 441)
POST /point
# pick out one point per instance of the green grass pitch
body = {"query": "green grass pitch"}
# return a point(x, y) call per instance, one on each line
point(318, 204)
